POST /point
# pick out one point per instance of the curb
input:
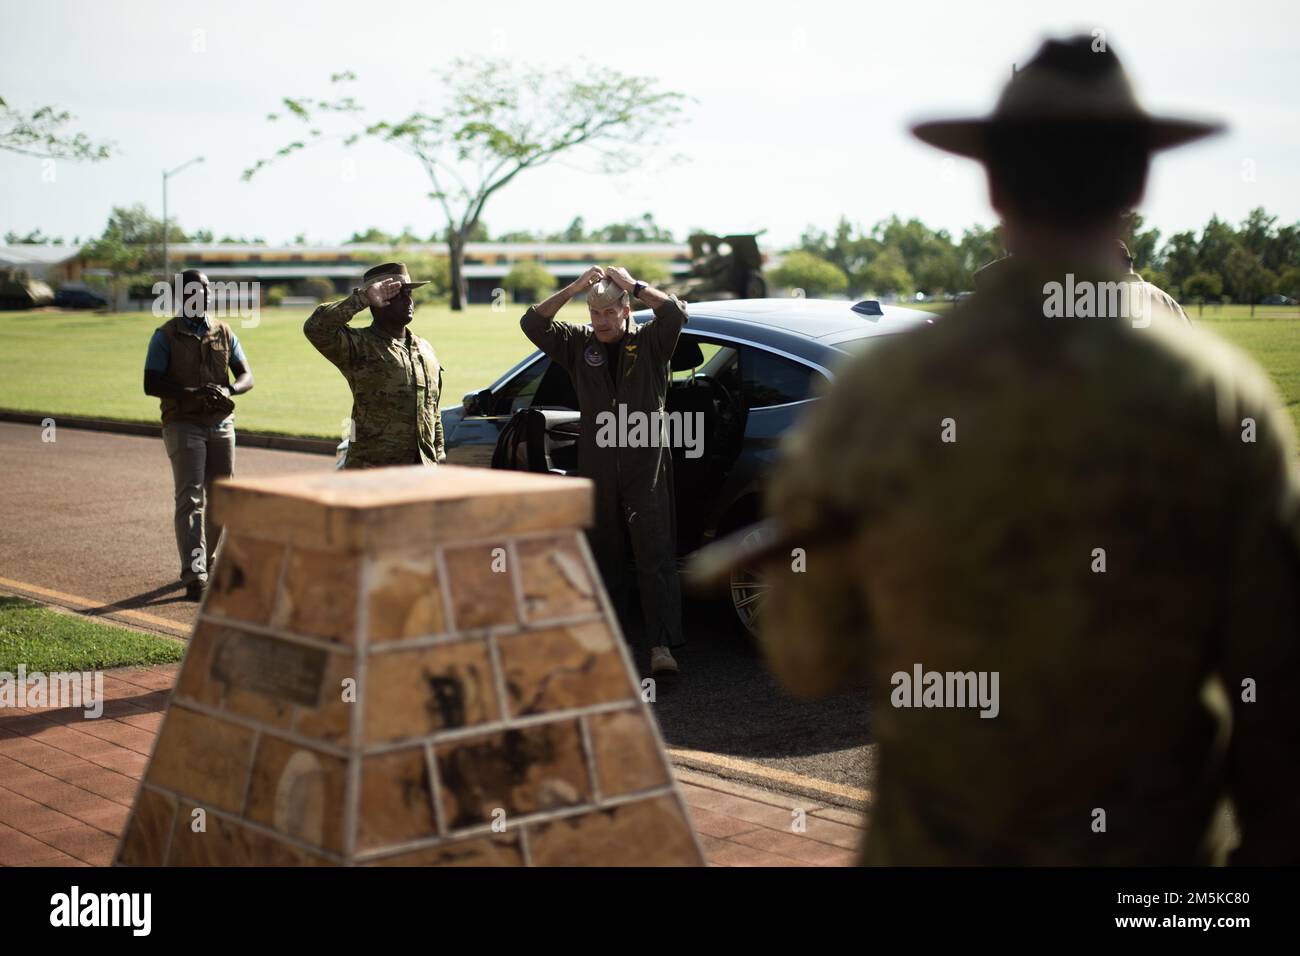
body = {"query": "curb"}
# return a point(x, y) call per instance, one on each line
point(316, 446)
point(748, 774)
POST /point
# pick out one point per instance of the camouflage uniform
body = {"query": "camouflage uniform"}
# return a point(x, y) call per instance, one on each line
point(634, 486)
point(1071, 434)
point(396, 387)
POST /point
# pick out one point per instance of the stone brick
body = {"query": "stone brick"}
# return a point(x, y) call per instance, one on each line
point(645, 833)
point(556, 582)
point(565, 667)
point(144, 843)
point(318, 595)
point(481, 597)
point(404, 598)
point(481, 851)
point(421, 691)
point(626, 753)
point(246, 579)
point(203, 758)
point(540, 767)
point(299, 792)
point(396, 799)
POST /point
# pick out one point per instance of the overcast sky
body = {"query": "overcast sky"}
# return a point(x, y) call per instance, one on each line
point(800, 109)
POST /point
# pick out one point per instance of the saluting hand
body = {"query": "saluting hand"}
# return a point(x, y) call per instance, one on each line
point(381, 293)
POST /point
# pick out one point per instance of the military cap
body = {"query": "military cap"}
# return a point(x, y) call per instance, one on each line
point(1071, 81)
point(389, 270)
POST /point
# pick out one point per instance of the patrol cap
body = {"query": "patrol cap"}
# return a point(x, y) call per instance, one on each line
point(1068, 81)
point(389, 270)
point(605, 293)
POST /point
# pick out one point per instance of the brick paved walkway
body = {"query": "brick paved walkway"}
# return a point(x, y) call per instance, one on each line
point(66, 786)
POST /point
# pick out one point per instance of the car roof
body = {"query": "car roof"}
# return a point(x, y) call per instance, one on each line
point(828, 322)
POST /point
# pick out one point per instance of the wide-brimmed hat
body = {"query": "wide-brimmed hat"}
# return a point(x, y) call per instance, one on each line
point(389, 270)
point(1077, 82)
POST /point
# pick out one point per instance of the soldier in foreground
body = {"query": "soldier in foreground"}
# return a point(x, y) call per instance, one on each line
point(615, 362)
point(1061, 552)
point(394, 375)
point(188, 368)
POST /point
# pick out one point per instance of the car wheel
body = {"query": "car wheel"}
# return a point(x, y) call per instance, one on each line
point(749, 589)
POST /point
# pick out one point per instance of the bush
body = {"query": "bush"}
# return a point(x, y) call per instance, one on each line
point(318, 288)
point(653, 272)
point(528, 281)
point(803, 270)
point(275, 295)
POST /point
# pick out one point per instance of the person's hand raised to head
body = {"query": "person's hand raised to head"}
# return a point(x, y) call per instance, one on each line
point(588, 279)
point(620, 277)
point(382, 293)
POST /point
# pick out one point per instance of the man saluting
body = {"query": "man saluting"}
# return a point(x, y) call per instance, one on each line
point(394, 376)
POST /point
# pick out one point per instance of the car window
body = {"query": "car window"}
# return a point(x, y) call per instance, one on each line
point(519, 391)
point(710, 351)
point(771, 379)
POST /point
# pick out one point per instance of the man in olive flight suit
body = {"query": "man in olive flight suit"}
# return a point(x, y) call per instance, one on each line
point(1061, 551)
point(614, 363)
point(394, 375)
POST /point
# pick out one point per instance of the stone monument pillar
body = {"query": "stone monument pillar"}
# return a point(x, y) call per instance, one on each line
point(407, 666)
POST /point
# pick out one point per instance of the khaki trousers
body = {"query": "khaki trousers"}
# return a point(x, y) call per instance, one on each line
point(200, 454)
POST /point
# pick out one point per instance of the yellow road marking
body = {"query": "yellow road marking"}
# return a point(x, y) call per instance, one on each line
point(83, 604)
point(700, 759)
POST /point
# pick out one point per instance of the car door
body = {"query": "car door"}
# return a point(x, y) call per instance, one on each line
point(471, 440)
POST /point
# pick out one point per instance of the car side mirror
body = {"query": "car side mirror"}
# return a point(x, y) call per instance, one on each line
point(477, 403)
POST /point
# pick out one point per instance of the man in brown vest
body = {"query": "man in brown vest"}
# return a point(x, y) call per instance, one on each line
point(188, 369)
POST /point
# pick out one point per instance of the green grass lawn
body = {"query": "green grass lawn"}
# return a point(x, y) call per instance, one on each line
point(48, 641)
point(78, 363)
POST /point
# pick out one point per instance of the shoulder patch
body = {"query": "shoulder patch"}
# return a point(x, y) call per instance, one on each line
point(594, 355)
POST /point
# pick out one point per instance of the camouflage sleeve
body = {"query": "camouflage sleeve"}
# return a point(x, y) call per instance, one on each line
point(562, 341)
point(665, 327)
point(815, 624)
point(327, 328)
point(1260, 662)
point(439, 447)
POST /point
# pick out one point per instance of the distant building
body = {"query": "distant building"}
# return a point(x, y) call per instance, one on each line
point(486, 263)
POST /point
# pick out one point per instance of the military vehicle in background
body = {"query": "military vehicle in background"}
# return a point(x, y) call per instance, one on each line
point(723, 267)
point(18, 290)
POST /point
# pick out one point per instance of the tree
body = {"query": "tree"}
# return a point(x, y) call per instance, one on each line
point(1201, 286)
point(803, 270)
point(1141, 243)
point(130, 248)
point(528, 281)
point(498, 121)
point(653, 272)
point(42, 133)
point(1247, 275)
point(888, 273)
point(1288, 283)
point(644, 229)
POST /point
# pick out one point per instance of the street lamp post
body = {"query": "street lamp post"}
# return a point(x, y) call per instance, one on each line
point(167, 263)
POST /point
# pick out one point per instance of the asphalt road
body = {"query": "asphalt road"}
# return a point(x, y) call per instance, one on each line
point(85, 521)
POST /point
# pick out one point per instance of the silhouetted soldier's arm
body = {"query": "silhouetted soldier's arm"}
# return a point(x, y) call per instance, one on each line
point(815, 626)
point(1261, 653)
